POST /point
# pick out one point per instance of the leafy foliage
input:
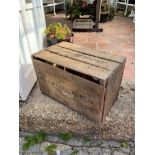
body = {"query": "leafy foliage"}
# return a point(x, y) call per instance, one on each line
point(75, 152)
point(74, 9)
point(111, 13)
point(86, 139)
point(124, 144)
point(40, 137)
point(33, 140)
point(25, 146)
point(108, 13)
point(51, 149)
point(58, 31)
point(65, 136)
point(79, 7)
point(115, 149)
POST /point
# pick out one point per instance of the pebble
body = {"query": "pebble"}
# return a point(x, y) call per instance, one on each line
point(45, 114)
point(125, 150)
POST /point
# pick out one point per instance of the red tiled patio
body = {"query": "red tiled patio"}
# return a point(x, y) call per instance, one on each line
point(118, 37)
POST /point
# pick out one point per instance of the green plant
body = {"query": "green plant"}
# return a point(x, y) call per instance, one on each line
point(124, 144)
point(79, 7)
point(50, 29)
point(33, 140)
point(51, 149)
point(57, 31)
point(86, 139)
point(115, 149)
point(111, 13)
point(104, 6)
point(107, 10)
point(74, 10)
point(65, 136)
point(75, 152)
point(62, 32)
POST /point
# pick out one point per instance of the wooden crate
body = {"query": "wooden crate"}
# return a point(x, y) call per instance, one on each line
point(83, 24)
point(83, 79)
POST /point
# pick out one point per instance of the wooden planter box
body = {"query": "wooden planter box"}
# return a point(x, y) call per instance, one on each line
point(83, 24)
point(83, 79)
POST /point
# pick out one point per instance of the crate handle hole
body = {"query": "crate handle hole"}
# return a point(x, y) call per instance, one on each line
point(87, 77)
point(59, 66)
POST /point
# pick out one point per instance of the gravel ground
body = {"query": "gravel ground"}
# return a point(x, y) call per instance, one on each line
point(41, 113)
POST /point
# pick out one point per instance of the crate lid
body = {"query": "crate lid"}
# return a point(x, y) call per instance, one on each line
point(81, 59)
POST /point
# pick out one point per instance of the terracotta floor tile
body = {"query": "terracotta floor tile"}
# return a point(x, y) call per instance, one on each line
point(129, 74)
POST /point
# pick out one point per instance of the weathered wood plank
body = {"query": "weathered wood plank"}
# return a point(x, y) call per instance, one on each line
point(83, 57)
point(112, 90)
point(79, 66)
point(77, 93)
point(104, 55)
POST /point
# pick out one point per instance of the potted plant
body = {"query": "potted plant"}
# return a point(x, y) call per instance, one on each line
point(79, 8)
point(107, 11)
point(73, 10)
point(57, 32)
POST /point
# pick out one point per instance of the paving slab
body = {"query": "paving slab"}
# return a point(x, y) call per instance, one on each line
point(42, 113)
point(64, 149)
point(119, 153)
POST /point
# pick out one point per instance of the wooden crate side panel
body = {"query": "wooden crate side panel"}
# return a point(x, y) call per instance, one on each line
point(120, 78)
point(77, 93)
point(112, 90)
point(104, 55)
point(75, 65)
point(96, 61)
point(83, 24)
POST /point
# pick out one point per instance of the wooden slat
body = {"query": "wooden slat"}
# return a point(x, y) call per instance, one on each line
point(68, 89)
point(104, 55)
point(99, 62)
point(75, 65)
point(112, 90)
